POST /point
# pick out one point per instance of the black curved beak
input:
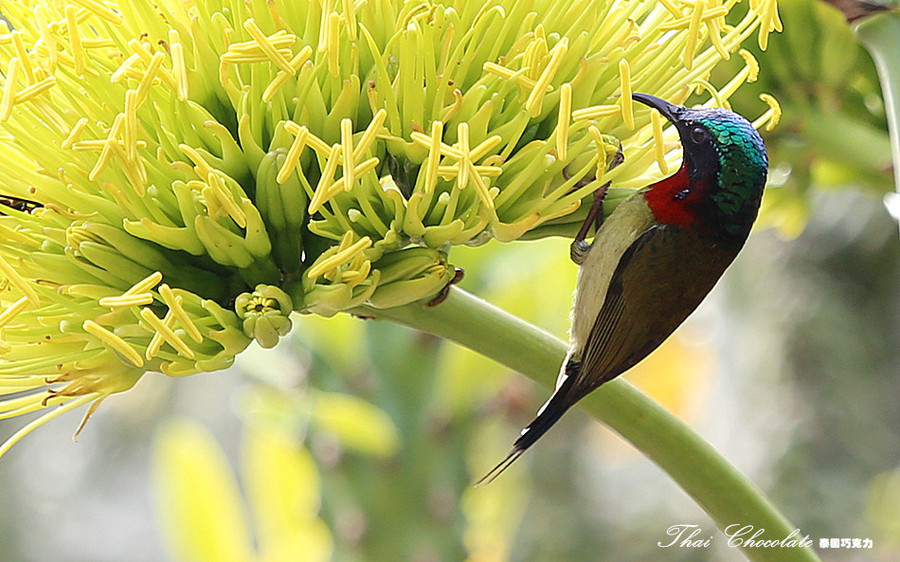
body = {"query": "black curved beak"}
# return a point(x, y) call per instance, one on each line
point(669, 111)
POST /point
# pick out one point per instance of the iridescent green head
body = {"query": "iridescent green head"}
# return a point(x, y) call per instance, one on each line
point(725, 160)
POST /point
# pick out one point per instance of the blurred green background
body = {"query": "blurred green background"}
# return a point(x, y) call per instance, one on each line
point(358, 440)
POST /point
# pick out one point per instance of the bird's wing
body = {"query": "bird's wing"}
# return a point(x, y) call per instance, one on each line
point(659, 280)
point(610, 342)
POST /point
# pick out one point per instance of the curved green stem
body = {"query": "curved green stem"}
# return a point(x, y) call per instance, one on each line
point(717, 486)
point(880, 35)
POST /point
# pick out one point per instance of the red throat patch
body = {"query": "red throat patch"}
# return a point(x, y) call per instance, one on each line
point(673, 200)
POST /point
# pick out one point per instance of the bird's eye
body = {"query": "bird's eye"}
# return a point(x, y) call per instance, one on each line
point(699, 135)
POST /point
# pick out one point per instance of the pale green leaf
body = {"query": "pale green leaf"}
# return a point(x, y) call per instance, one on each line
point(198, 500)
point(358, 425)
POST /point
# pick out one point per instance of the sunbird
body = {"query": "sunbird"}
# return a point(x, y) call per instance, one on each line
point(656, 256)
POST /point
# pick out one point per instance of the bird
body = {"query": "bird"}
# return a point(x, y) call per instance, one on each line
point(657, 255)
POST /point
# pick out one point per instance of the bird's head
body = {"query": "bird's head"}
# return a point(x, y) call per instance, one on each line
point(723, 155)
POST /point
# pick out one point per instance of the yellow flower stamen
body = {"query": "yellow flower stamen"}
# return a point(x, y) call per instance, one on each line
point(266, 46)
point(706, 16)
point(293, 155)
point(100, 10)
point(434, 156)
point(339, 258)
point(24, 58)
point(595, 112)
point(35, 89)
point(347, 153)
point(19, 282)
point(31, 426)
point(693, 35)
point(125, 301)
point(721, 101)
point(175, 303)
point(13, 310)
point(562, 123)
point(113, 341)
point(9, 89)
point(312, 140)
point(625, 101)
point(369, 135)
point(350, 18)
point(656, 121)
point(326, 180)
point(112, 138)
point(75, 40)
point(771, 117)
point(462, 145)
point(164, 331)
point(536, 98)
point(145, 284)
point(283, 76)
point(334, 46)
point(154, 71)
point(179, 68)
point(201, 166)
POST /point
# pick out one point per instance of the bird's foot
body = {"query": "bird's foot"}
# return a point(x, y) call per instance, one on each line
point(579, 248)
point(442, 295)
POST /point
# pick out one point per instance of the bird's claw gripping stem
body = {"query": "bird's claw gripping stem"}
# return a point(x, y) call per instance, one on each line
point(579, 249)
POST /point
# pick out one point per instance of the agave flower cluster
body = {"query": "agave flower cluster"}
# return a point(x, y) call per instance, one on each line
point(178, 176)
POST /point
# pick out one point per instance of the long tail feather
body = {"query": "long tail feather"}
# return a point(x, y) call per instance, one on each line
point(547, 416)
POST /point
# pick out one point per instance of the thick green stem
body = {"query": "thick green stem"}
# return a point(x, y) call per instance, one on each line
point(880, 35)
point(717, 486)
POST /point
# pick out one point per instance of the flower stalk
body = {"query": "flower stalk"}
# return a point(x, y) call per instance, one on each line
point(699, 469)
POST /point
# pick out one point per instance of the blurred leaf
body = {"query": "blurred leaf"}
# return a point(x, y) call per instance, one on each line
point(283, 488)
point(882, 512)
point(358, 425)
point(198, 499)
point(337, 338)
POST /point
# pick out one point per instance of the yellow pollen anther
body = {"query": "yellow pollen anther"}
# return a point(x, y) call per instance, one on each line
point(595, 112)
point(9, 89)
point(146, 284)
point(125, 301)
point(347, 152)
point(752, 65)
point(283, 76)
point(152, 73)
point(771, 117)
point(658, 142)
point(75, 39)
point(266, 46)
point(14, 310)
point(312, 140)
point(19, 282)
point(462, 144)
point(693, 35)
point(112, 139)
point(334, 45)
point(36, 89)
point(350, 18)
point(22, 55)
point(535, 99)
point(179, 68)
point(166, 332)
point(562, 124)
point(369, 135)
point(174, 302)
point(201, 166)
point(100, 10)
point(341, 257)
point(625, 101)
point(113, 341)
point(293, 155)
point(326, 180)
point(434, 156)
